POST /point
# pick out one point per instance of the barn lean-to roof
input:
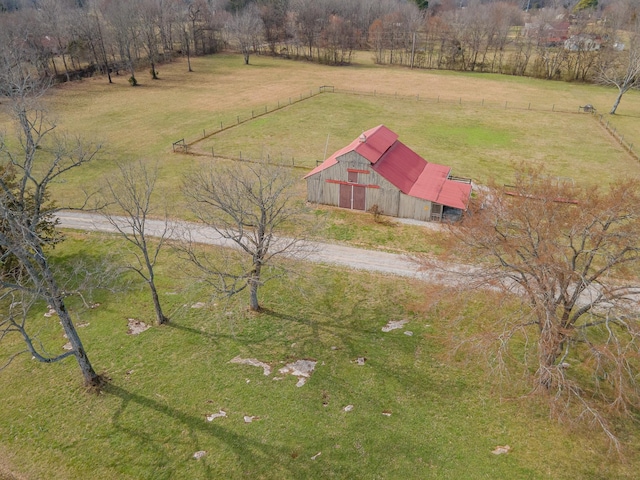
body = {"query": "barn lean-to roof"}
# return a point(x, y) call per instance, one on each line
point(404, 168)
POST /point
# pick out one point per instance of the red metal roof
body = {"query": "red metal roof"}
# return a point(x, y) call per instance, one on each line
point(430, 182)
point(404, 168)
point(401, 166)
point(454, 194)
point(375, 142)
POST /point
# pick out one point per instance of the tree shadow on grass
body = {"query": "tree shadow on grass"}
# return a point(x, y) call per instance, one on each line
point(242, 339)
point(626, 115)
point(334, 325)
point(250, 454)
point(196, 331)
point(214, 337)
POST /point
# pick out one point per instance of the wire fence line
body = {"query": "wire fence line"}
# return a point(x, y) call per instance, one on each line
point(244, 118)
point(183, 146)
point(275, 160)
point(624, 143)
point(460, 101)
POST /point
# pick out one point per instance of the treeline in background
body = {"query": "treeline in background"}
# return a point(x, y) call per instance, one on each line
point(551, 39)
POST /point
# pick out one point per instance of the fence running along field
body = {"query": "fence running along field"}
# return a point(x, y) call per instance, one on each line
point(628, 146)
point(181, 146)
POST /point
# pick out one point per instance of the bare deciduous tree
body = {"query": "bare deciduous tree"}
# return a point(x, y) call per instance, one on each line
point(89, 24)
point(622, 69)
point(182, 17)
point(38, 158)
point(338, 41)
point(245, 30)
point(124, 21)
point(150, 14)
point(53, 16)
point(310, 18)
point(245, 206)
point(274, 20)
point(131, 191)
point(570, 255)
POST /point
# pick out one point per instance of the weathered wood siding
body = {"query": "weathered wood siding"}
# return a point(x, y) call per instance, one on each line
point(416, 208)
point(379, 191)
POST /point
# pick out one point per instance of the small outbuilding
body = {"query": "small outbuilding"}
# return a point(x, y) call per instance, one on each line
point(377, 169)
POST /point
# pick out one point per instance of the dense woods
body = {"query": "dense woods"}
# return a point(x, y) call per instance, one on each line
point(572, 41)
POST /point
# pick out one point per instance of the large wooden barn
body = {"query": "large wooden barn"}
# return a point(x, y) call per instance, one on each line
point(377, 169)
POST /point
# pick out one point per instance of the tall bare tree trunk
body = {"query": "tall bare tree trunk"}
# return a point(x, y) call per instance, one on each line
point(56, 300)
point(616, 103)
point(160, 318)
point(91, 378)
point(254, 284)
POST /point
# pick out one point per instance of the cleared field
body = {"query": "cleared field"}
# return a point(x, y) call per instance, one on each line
point(222, 87)
point(468, 129)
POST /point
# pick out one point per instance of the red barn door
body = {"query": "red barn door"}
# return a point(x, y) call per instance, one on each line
point(358, 197)
point(345, 196)
point(352, 197)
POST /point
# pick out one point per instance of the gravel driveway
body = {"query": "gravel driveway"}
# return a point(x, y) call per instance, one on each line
point(325, 253)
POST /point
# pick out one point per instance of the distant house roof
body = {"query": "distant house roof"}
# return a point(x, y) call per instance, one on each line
point(404, 168)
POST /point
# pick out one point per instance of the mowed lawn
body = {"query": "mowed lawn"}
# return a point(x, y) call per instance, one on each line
point(421, 407)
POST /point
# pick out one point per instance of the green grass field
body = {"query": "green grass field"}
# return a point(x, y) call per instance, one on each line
point(447, 412)
point(446, 415)
point(478, 142)
point(469, 129)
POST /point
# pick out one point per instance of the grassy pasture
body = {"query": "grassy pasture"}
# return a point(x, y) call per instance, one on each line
point(468, 129)
point(477, 142)
point(446, 417)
